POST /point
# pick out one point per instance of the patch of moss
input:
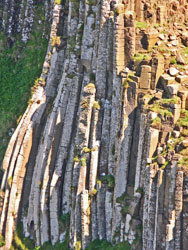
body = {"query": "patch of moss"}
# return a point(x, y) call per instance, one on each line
point(83, 161)
point(141, 25)
point(76, 159)
point(57, 2)
point(96, 105)
point(87, 150)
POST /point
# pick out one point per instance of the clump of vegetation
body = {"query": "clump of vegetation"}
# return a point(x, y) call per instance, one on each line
point(173, 61)
point(2, 240)
point(109, 180)
point(174, 100)
point(64, 221)
point(140, 57)
point(159, 109)
point(104, 245)
point(56, 41)
point(84, 103)
point(141, 25)
point(78, 245)
point(96, 105)
point(76, 159)
point(57, 2)
point(90, 86)
point(156, 122)
point(93, 192)
point(83, 162)
point(87, 150)
point(119, 9)
point(183, 120)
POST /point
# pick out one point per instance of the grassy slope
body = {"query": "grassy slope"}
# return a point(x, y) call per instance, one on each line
point(17, 75)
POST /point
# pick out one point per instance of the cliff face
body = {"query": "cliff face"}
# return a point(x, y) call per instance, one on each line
point(101, 151)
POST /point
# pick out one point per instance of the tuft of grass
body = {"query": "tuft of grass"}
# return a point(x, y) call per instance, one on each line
point(141, 25)
point(173, 61)
point(139, 57)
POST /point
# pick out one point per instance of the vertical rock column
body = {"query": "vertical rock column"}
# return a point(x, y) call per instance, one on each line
point(129, 35)
point(120, 43)
point(178, 209)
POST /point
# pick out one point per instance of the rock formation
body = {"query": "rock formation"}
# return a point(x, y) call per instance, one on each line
point(102, 150)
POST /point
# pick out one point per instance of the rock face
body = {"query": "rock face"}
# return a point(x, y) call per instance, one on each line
point(94, 155)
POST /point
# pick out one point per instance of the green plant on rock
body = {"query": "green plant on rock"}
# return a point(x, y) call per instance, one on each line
point(78, 245)
point(173, 61)
point(93, 192)
point(76, 159)
point(87, 150)
point(157, 108)
point(64, 221)
point(10, 180)
point(57, 2)
point(96, 105)
point(140, 57)
point(141, 25)
point(156, 122)
point(109, 180)
point(90, 85)
point(83, 161)
point(174, 100)
point(119, 9)
point(183, 120)
point(2, 240)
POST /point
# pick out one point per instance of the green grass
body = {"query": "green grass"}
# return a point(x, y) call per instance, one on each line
point(183, 120)
point(139, 57)
point(175, 100)
point(141, 25)
point(156, 107)
point(16, 78)
point(22, 243)
point(105, 245)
